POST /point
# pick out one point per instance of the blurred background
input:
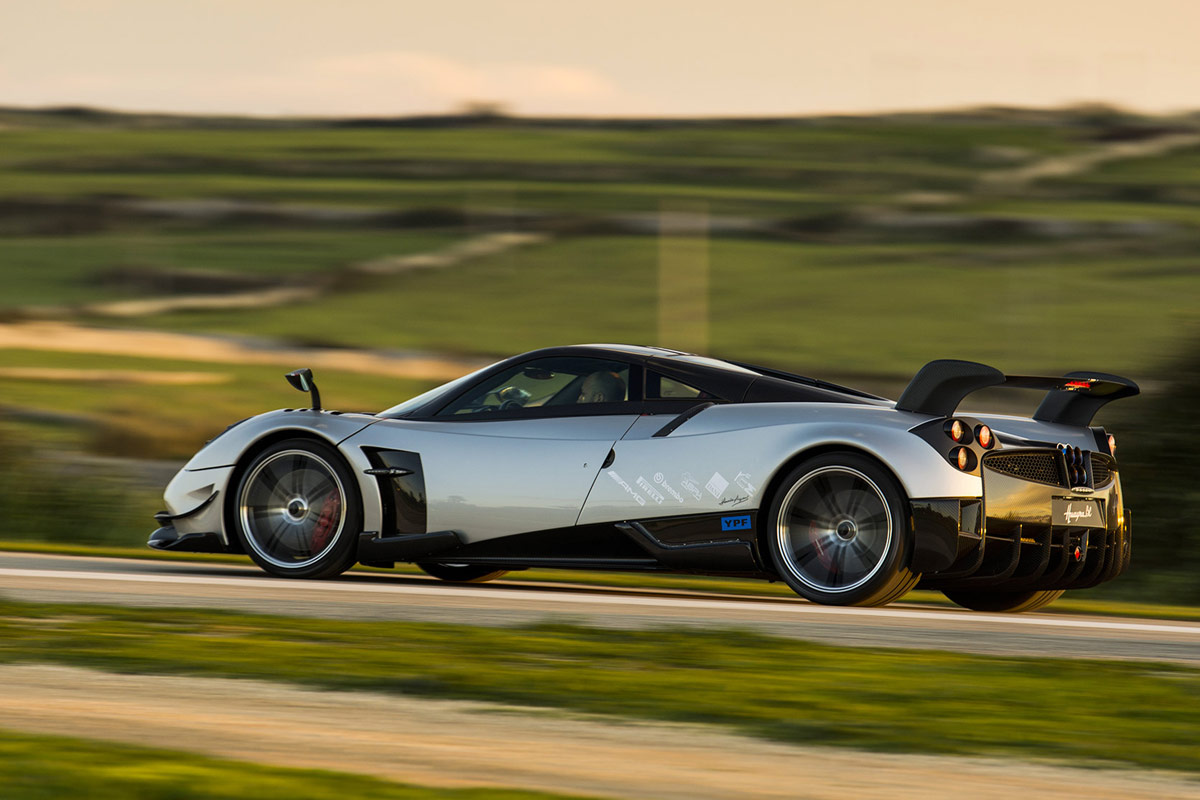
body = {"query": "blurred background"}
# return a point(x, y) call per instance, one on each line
point(195, 199)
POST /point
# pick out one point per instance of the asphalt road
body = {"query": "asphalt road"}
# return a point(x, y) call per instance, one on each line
point(161, 584)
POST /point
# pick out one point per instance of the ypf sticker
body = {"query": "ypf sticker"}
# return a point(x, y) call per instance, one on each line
point(741, 523)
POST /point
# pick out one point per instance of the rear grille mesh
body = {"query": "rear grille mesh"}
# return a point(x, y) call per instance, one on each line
point(1101, 469)
point(1037, 467)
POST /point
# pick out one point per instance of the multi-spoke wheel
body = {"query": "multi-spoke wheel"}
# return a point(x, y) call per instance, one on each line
point(838, 532)
point(461, 573)
point(1012, 602)
point(297, 510)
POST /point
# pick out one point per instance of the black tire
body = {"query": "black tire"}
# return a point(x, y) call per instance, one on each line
point(1012, 602)
point(837, 530)
point(462, 573)
point(297, 510)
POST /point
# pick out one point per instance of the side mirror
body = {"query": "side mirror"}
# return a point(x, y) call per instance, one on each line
point(302, 380)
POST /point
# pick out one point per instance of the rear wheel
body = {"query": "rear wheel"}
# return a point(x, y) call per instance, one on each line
point(298, 511)
point(1012, 602)
point(838, 534)
point(462, 573)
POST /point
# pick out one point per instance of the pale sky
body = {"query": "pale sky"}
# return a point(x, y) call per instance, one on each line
point(619, 57)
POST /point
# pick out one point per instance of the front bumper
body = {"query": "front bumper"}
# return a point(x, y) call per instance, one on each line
point(193, 520)
point(1030, 531)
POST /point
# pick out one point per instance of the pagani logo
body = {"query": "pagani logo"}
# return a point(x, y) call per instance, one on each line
point(1071, 515)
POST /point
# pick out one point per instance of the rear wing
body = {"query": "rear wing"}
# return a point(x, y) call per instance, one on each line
point(1073, 399)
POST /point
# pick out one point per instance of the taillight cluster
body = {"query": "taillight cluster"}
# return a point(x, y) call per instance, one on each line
point(1076, 471)
point(962, 435)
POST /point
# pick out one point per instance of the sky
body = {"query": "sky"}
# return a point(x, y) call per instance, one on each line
point(611, 58)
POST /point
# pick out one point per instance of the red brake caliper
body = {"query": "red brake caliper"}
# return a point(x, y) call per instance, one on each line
point(325, 525)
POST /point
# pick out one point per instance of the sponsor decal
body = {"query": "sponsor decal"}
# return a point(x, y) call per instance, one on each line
point(650, 491)
point(668, 488)
point(741, 523)
point(612, 473)
point(743, 480)
point(717, 485)
point(691, 485)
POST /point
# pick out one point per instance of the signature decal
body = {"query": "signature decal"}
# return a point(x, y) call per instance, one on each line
point(1072, 516)
point(733, 501)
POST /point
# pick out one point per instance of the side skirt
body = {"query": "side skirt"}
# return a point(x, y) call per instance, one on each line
point(717, 544)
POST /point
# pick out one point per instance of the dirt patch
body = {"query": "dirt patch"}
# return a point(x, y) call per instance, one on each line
point(65, 337)
point(146, 377)
point(449, 743)
point(1077, 163)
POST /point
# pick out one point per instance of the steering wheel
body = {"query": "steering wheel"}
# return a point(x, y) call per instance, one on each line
point(509, 405)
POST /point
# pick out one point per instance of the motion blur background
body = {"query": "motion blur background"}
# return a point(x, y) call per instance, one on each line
point(196, 198)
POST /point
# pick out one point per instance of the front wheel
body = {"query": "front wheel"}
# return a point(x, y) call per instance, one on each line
point(838, 534)
point(461, 573)
point(298, 511)
point(1012, 602)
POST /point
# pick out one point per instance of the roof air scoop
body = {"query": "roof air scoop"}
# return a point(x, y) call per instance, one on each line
point(302, 380)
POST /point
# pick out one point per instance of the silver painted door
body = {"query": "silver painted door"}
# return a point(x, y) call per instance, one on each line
point(490, 479)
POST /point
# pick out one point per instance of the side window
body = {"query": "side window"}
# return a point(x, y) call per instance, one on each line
point(660, 387)
point(545, 382)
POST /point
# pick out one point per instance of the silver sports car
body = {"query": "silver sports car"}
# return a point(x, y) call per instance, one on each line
point(615, 457)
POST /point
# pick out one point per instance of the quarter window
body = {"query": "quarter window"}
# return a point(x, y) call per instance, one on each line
point(660, 387)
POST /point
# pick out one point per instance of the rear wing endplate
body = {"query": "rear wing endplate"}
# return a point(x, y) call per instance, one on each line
point(1073, 399)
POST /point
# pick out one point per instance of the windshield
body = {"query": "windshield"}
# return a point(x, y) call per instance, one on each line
point(446, 388)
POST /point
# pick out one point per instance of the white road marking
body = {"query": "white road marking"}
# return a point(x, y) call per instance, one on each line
point(605, 599)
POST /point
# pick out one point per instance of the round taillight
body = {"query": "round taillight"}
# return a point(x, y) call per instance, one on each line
point(983, 435)
point(1112, 445)
point(963, 458)
point(957, 431)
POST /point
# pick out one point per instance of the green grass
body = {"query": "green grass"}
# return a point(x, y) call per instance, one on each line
point(1129, 714)
point(824, 309)
point(41, 270)
point(741, 167)
point(36, 767)
point(173, 421)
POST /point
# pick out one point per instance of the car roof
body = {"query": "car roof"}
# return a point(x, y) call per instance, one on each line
point(725, 380)
point(735, 381)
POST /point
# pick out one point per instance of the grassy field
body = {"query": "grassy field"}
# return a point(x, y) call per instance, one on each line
point(172, 420)
point(834, 289)
point(908, 701)
point(43, 270)
point(61, 768)
point(950, 301)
